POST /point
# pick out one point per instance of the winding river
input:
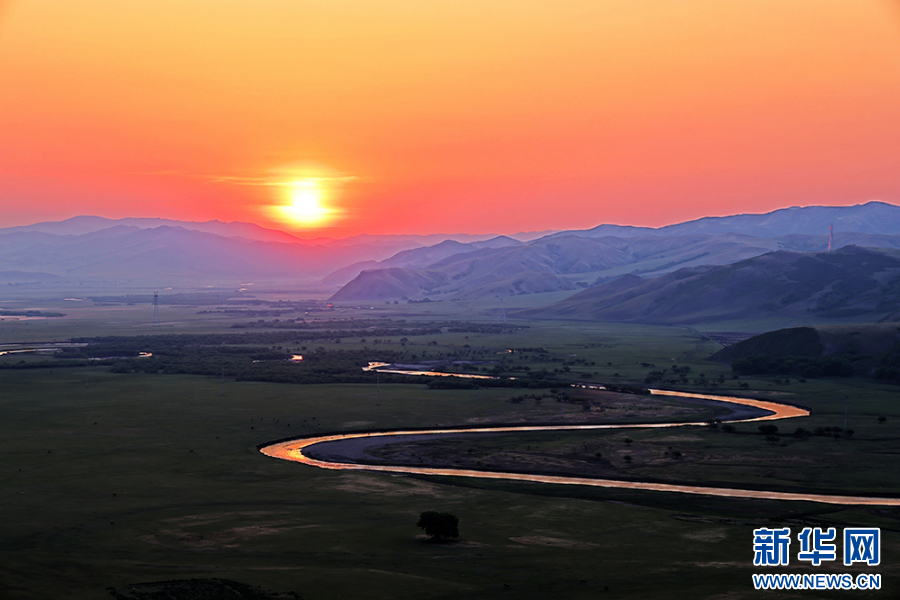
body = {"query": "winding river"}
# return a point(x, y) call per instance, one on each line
point(293, 450)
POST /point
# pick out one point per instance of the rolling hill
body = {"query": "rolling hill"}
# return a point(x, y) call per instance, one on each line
point(870, 350)
point(862, 283)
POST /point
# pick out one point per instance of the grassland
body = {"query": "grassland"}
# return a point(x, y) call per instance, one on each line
point(112, 479)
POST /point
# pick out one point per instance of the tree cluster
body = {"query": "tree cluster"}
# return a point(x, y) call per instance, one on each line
point(439, 525)
point(799, 366)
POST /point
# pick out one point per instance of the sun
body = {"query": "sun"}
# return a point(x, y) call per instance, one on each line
point(305, 196)
point(306, 208)
point(306, 204)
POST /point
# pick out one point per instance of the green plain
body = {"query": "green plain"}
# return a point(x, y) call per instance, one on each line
point(112, 479)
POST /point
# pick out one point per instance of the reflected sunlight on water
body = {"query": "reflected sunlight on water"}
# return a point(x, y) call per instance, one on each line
point(293, 451)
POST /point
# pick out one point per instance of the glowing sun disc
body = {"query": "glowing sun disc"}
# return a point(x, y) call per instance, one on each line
point(306, 207)
point(307, 201)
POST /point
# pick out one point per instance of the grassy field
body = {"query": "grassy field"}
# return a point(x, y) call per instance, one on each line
point(142, 478)
point(138, 478)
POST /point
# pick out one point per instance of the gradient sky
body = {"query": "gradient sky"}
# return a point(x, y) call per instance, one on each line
point(407, 116)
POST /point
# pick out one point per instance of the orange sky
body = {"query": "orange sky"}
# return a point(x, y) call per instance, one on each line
point(446, 115)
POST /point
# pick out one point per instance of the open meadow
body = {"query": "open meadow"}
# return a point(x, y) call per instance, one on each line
point(114, 475)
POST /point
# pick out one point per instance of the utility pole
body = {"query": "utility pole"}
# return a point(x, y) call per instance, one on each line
point(156, 322)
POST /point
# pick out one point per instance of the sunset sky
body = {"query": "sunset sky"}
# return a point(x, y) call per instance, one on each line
point(340, 117)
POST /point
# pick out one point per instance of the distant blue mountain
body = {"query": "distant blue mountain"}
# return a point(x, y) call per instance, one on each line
point(583, 258)
point(871, 217)
point(460, 265)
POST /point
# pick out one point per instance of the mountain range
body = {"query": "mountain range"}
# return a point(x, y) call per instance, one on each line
point(369, 267)
point(871, 217)
point(582, 259)
point(161, 251)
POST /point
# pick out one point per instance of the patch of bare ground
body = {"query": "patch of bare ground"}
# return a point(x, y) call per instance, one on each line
point(708, 535)
point(539, 540)
point(206, 518)
point(216, 531)
point(359, 483)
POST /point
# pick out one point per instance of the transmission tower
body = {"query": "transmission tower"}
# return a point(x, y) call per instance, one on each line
point(156, 309)
point(501, 314)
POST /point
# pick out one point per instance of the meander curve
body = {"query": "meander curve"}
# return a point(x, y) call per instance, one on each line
point(293, 450)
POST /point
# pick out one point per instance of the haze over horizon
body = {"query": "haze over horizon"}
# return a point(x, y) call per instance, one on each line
point(320, 234)
point(332, 120)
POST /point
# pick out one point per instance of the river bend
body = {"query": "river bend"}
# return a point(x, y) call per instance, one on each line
point(293, 450)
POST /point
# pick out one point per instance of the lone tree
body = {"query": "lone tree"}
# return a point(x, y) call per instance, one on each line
point(768, 429)
point(439, 525)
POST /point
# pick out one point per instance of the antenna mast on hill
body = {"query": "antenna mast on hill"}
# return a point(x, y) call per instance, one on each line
point(501, 314)
point(155, 309)
point(830, 237)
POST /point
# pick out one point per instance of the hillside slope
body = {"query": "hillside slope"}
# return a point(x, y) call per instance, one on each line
point(851, 282)
point(870, 350)
point(576, 259)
